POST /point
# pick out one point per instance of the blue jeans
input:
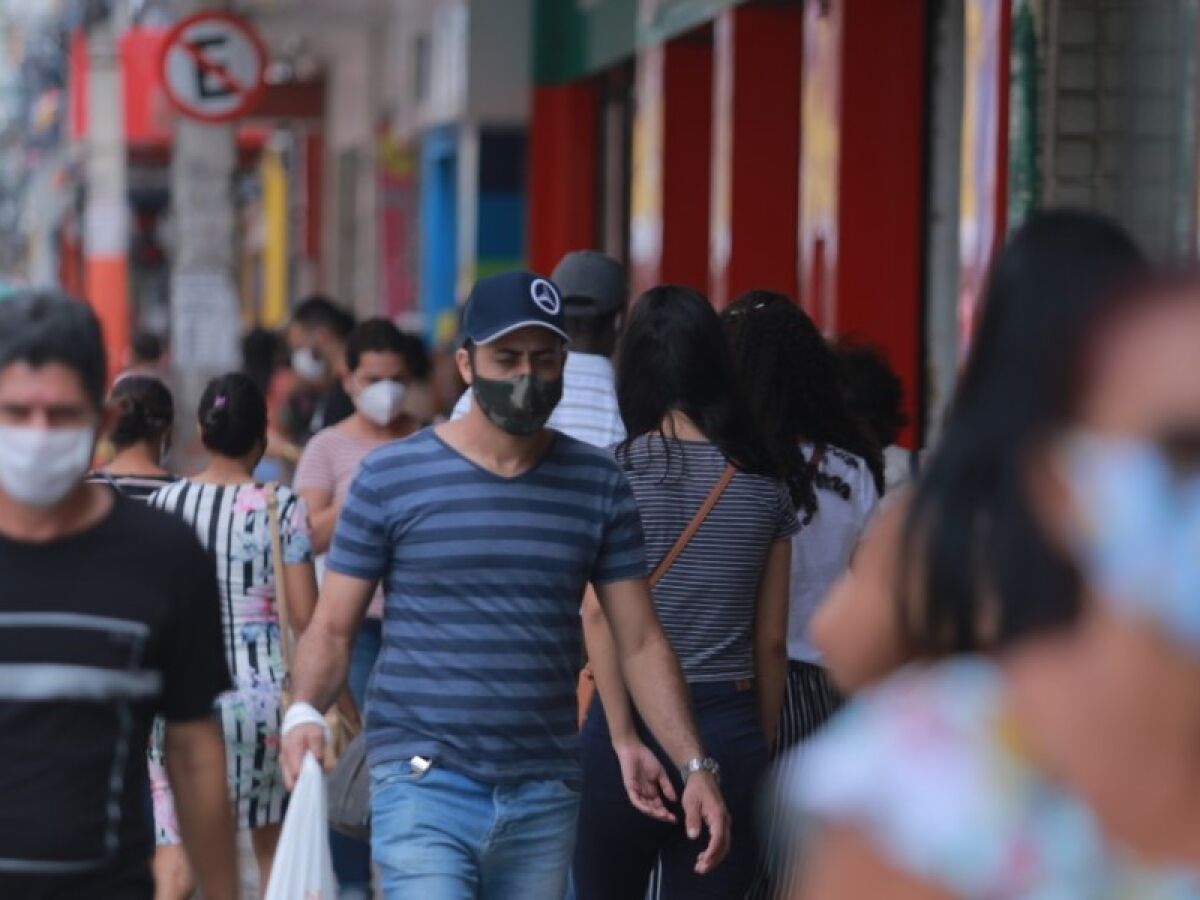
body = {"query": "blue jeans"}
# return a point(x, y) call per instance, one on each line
point(443, 836)
point(352, 858)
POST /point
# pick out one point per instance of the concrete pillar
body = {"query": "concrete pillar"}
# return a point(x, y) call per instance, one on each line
point(366, 299)
point(205, 312)
point(106, 223)
point(944, 156)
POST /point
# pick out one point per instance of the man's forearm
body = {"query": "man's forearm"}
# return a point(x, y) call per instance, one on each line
point(195, 759)
point(319, 671)
point(656, 683)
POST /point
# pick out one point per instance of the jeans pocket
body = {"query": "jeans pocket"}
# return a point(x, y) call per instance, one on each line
point(399, 772)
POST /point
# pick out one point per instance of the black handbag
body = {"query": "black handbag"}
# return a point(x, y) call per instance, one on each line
point(349, 790)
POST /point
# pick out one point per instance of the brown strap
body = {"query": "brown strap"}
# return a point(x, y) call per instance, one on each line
point(281, 606)
point(693, 526)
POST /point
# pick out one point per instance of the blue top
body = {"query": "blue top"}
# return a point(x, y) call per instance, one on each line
point(484, 576)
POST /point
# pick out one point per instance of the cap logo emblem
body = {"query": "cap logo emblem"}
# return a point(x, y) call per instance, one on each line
point(545, 296)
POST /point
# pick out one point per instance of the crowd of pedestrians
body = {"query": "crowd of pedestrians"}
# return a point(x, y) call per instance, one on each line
point(656, 607)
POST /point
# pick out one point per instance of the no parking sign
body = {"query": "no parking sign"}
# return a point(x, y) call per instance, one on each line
point(213, 65)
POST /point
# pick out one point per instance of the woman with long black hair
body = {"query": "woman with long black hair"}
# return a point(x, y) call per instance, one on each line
point(950, 568)
point(796, 390)
point(834, 469)
point(718, 521)
point(1062, 758)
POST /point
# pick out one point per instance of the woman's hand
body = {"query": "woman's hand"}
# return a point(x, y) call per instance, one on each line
point(646, 781)
point(349, 713)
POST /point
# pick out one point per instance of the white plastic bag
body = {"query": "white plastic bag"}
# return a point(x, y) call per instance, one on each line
point(303, 867)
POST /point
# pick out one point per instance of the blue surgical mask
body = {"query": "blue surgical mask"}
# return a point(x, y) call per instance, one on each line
point(1137, 531)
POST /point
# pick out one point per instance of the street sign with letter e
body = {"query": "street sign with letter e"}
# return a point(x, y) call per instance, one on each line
point(213, 65)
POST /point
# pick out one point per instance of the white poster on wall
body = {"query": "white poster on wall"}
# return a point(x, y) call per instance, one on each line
point(204, 322)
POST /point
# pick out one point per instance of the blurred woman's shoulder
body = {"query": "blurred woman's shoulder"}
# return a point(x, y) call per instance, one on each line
point(931, 769)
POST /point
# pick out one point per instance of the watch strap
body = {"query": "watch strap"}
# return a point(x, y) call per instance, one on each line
point(700, 764)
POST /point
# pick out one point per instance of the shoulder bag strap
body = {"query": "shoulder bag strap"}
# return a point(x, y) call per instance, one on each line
point(281, 606)
point(693, 526)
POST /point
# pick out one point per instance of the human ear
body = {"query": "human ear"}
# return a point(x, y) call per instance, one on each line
point(462, 359)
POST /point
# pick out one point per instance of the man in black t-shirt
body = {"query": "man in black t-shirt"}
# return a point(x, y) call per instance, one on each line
point(109, 613)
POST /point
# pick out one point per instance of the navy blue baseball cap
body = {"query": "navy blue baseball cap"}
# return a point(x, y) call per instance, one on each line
point(502, 304)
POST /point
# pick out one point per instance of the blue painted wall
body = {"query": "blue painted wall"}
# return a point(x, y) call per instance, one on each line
point(439, 229)
point(500, 231)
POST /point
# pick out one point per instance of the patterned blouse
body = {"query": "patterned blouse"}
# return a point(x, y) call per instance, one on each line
point(930, 767)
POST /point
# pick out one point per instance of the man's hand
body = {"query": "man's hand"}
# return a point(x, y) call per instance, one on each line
point(703, 805)
point(296, 743)
point(645, 780)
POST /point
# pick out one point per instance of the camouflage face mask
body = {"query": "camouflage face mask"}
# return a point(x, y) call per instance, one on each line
point(521, 406)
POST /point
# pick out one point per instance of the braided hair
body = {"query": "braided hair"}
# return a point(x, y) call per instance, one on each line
point(146, 412)
point(795, 386)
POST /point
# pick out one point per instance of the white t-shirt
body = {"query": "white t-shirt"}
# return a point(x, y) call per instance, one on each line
point(821, 549)
point(898, 467)
point(588, 409)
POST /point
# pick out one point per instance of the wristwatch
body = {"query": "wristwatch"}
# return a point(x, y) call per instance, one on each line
point(705, 764)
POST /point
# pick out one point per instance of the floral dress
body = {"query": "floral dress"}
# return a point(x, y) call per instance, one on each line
point(931, 769)
point(232, 522)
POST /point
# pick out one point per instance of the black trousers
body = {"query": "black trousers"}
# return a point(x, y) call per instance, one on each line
point(809, 702)
point(129, 880)
point(618, 847)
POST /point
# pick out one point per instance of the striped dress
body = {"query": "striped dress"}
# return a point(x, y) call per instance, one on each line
point(232, 523)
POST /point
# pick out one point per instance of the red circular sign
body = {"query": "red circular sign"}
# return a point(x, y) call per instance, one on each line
point(213, 66)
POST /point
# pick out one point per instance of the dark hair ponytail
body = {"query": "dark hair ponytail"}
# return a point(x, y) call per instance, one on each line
point(147, 411)
point(233, 415)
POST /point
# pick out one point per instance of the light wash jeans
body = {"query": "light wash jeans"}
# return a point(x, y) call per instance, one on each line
point(443, 836)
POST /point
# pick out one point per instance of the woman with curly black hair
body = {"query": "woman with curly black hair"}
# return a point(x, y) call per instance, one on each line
point(796, 390)
point(795, 386)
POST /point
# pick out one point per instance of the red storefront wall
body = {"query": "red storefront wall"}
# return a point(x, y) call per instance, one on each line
point(862, 186)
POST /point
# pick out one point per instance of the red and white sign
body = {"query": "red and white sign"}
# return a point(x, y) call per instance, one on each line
point(213, 65)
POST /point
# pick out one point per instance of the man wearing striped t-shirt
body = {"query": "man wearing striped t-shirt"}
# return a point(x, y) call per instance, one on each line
point(485, 532)
point(594, 295)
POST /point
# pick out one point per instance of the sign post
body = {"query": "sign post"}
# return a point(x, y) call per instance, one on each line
point(213, 65)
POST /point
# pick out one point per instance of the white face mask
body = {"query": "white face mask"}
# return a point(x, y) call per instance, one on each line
point(308, 365)
point(381, 402)
point(40, 466)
